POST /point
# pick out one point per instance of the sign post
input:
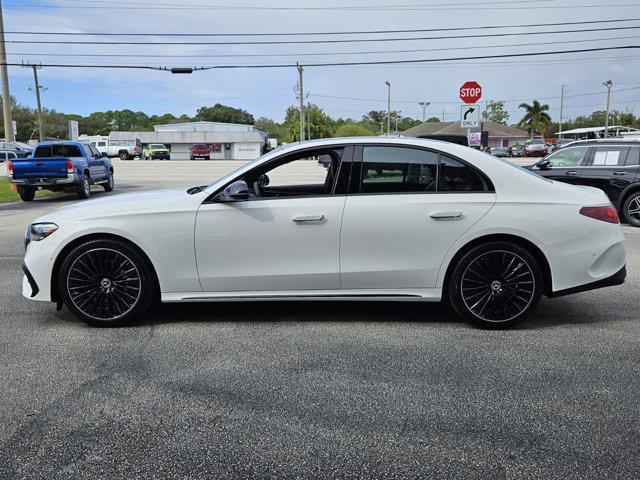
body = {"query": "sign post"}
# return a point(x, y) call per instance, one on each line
point(470, 93)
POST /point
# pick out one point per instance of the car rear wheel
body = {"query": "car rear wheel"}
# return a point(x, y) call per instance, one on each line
point(124, 156)
point(27, 194)
point(84, 188)
point(495, 285)
point(110, 185)
point(631, 209)
point(106, 283)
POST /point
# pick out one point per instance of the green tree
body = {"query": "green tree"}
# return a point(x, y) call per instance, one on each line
point(535, 118)
point(273, 128)
point(225, 114)
point(433, 119)
point(322, 126)
point(353, 130)
point(495, 112)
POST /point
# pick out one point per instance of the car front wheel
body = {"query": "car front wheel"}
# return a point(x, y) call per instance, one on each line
point(106, 283)
point(495, 285)
point(631, 209)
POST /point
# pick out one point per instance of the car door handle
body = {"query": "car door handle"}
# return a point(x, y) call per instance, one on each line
point(445, 215)
point(573, 173)
point(308, 218)
point(619, 173)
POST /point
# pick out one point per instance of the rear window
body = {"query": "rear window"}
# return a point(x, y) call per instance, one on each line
point(61, 150)
point(200, 147)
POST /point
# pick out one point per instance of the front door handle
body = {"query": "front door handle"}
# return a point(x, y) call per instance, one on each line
point(308, 218)
point(619, 173)
point(573, 173)
point(445, 215)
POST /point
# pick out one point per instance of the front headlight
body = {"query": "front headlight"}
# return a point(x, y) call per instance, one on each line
point(38, 231)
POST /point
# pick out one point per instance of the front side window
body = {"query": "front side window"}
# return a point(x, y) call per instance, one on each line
point(569, 157)
point(398, 169)
point(609, 156)
point(94, 151)
point(87, 150)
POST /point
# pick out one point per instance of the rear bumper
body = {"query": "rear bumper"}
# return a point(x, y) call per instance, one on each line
point(44, 181)
point(617, 278)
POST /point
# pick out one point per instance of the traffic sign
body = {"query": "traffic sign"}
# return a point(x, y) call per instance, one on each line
point(469, 116)
point(470, 92)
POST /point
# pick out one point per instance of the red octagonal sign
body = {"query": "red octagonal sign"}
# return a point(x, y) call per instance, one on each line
point(470, 92)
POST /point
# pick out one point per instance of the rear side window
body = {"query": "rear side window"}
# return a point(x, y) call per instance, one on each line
point(634, 156)
point(412, 170)
point(569, 157)
point(609, 156)
point(57, 151)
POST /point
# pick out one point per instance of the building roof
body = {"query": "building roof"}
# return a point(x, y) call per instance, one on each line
point(496, 130)
point(577, 131)
point(189, 137)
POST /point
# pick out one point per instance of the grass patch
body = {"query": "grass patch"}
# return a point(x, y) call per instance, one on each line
point(9, 195)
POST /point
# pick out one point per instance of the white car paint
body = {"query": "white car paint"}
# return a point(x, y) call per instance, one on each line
point(373, 246)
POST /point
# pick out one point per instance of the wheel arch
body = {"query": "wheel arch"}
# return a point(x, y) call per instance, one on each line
point(55, 297)
point(532, 248)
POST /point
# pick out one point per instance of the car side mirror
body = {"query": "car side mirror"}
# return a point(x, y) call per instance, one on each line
point(236, 192)
point(104, 155)
point(544, 164)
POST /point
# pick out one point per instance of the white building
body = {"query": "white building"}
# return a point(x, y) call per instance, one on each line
point(230, 141)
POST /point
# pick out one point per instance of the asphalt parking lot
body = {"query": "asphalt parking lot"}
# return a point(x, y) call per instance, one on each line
point(314, 389)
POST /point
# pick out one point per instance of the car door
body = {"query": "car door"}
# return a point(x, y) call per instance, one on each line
point(408, 206)
point(284, 238)
point(611, 168)
point(101, 161)
point(565, 165)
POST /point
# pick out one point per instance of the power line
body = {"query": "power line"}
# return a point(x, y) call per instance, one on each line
point(297, 42)
point(337, 64)
point(304, 54)
point(353, 32)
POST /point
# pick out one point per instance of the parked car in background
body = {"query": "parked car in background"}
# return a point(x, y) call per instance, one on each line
point(124, 149)
point(498, 151)
point(516, 150)
point(9, 150)
point(59, 166)
point(200, 150)
point(610, 165)
point(155, 151)
point(535, 148)
point(388, 219)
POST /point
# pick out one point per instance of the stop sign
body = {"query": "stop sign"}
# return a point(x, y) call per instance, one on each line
point(470, 92)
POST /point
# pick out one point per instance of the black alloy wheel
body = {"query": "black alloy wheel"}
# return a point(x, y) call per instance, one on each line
point(106, 283)
point(495, 285)
point(631, 209)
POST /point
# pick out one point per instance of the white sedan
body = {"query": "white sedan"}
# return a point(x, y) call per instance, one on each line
point(342, 219)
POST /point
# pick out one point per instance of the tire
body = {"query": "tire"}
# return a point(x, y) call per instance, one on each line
point(110, 185)
point(101, 294)
point(27, 194)
point(631, 209)
point(84, 187)
point(495, 285)
point(124, 155)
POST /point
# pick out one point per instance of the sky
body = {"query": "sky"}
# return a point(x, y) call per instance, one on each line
point(342, 91)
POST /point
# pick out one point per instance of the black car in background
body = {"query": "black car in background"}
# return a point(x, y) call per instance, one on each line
point(610, 165)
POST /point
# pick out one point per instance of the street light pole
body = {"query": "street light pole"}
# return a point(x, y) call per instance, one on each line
point(561, 110)
point(388, 84)
point(6, 97)
point(301, 93)
point(424, 106)
point(607, 84)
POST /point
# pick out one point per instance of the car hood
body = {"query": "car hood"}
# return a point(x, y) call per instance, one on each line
point(152, 200)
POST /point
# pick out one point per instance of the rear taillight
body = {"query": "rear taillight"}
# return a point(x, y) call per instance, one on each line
point(69, 167)
point(136, 149)
point(10, 168)
point(606, 213)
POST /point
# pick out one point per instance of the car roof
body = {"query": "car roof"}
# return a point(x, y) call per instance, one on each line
point(59, 142)
point(607, 141)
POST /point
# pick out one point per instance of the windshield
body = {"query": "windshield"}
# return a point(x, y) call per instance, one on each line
point(536, 142)
point(157, 146)
point(514, 165)
point(22, 145)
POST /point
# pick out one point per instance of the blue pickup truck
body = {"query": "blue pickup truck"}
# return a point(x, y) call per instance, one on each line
point(61, 165)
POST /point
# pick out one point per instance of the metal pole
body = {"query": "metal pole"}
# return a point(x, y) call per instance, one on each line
point(308, 121)
point(607, 84)
point(37, 87)
point(561, 110)
point(6, 97)
point(300, 70)
point(388, 84)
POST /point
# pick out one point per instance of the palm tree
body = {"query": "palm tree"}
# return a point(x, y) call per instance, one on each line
point(536, 117)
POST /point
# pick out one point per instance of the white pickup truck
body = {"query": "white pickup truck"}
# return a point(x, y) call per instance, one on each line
point(125, 149)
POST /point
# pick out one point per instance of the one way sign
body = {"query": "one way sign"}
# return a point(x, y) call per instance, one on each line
point(469, 116)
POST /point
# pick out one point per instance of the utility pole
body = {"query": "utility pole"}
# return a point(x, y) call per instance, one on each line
point(424, 106)
point(308, 118)
point(37, 88)
point(9, 135)
point(607, 84)
point(388, 84)
point(561, 110)
point(301, 92)
point(443, 115)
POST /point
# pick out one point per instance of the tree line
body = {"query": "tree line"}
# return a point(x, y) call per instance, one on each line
point(536, 120)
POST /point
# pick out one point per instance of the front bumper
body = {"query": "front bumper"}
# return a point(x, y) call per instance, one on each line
point(160, 156)
point(29, 286)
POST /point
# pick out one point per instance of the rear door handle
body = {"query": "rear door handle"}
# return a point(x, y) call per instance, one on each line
point(573, 173)
point(445, 215)
point(619, 173)
point(308, 218)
